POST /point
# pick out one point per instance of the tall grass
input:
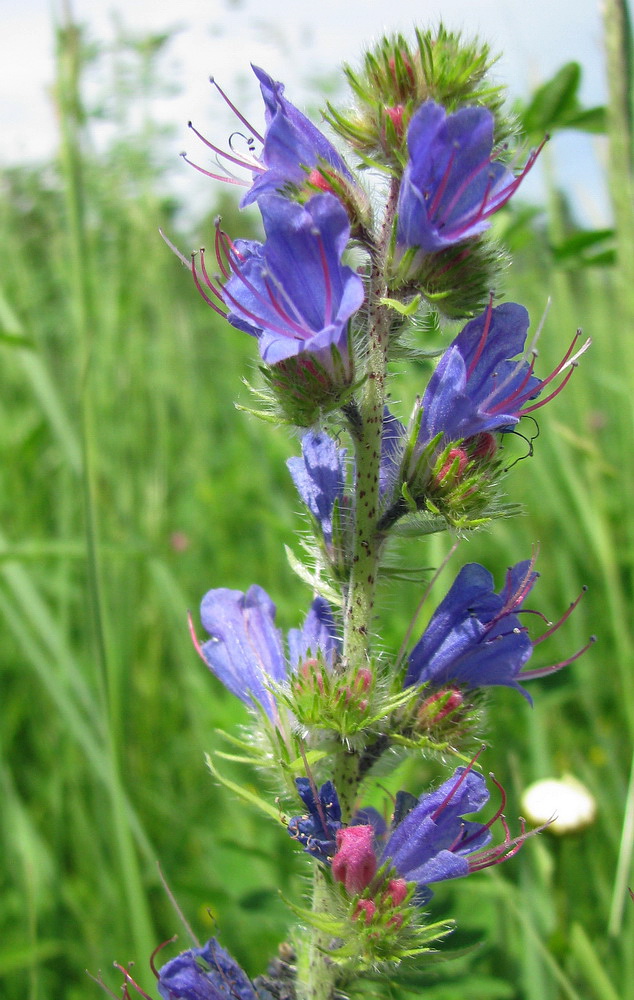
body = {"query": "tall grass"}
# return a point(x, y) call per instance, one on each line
point(131, 485)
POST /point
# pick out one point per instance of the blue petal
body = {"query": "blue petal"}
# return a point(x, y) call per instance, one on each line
point(207, 973)
point(475, 637)
point(392, 440)
point(294, 293)
point(424, 846)
point(317, 635)
point(475, 387)
point(319, 477)
point(450, 185)
point(291, 144)
point(245, 649)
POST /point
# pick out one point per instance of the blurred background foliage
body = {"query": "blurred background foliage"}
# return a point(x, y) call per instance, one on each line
point(131, 485)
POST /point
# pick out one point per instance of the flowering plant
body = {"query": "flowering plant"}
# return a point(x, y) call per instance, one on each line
point(331, 295)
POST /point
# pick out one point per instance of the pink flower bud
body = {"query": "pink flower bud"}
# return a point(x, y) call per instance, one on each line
point(396, 891)
point(354, 864)
point(366, 907)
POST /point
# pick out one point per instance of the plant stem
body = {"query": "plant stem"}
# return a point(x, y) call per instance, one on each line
point(321, 973)
point(362, 584)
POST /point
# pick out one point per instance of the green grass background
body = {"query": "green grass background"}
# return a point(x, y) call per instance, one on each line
point(130, 485)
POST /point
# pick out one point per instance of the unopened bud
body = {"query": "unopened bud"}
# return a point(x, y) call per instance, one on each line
point(354, 864)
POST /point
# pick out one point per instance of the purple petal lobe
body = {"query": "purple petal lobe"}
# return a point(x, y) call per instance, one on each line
point(293, 293)
point(317, 636)
point(451, 184)
point(291, 144)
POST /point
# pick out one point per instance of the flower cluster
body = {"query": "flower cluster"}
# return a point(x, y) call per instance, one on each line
point(327, 295)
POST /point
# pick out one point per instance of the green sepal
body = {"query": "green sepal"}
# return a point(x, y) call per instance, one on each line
point(310, 757)
point(320, 921)
point(403, 308)
point(313, 578)
point(251, 797)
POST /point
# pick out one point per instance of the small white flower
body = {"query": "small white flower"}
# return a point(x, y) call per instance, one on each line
point(564, 801)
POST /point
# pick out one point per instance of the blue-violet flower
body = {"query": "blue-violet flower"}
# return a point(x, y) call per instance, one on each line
point(319, 476)
point(246, 651)
point(207, 973)
point(475, 637)
point(475, 388)
point(432, 843)
point(292, 146)
point(452, 183)
point(292, 293)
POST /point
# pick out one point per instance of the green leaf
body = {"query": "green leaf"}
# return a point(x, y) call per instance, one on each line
point(553, 101)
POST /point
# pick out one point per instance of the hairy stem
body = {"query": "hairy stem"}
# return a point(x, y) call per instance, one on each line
point(366, 430)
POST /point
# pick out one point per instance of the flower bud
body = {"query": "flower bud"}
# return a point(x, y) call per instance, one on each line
point(355, 863)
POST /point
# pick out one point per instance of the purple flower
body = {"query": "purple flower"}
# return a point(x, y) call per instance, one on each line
point(319, 476)
point(430, 841)
point(207, 973)
point(291, 146)
point(476, 388)
point(452, 184)
point(292, 292)
point(317, 831)
point(433, 842)
point(475, 637)
point(246, 651)
point(392, 440)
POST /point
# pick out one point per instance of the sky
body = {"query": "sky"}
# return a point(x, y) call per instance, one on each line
point(299, 44)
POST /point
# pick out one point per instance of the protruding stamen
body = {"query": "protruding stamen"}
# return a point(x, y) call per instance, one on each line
point(564, 617)
point(215, 177)
point(202, 291)
point(158, 948)
point(130, 980)
point(529, 675)
point(231, 105)
point(194, 637)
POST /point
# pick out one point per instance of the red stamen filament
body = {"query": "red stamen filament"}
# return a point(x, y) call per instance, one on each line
point(507, 402)
point(327, 281)
point(240, 161)
point(231, 105)
point(465, 184)
point(563, 618)
point(529, 675)
point(215, 177)
point(440, 190)
point(194, 637)
point(514, 599)
point(130, 980)
point(158, 948)
point(202, 291)
point(436, 813)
